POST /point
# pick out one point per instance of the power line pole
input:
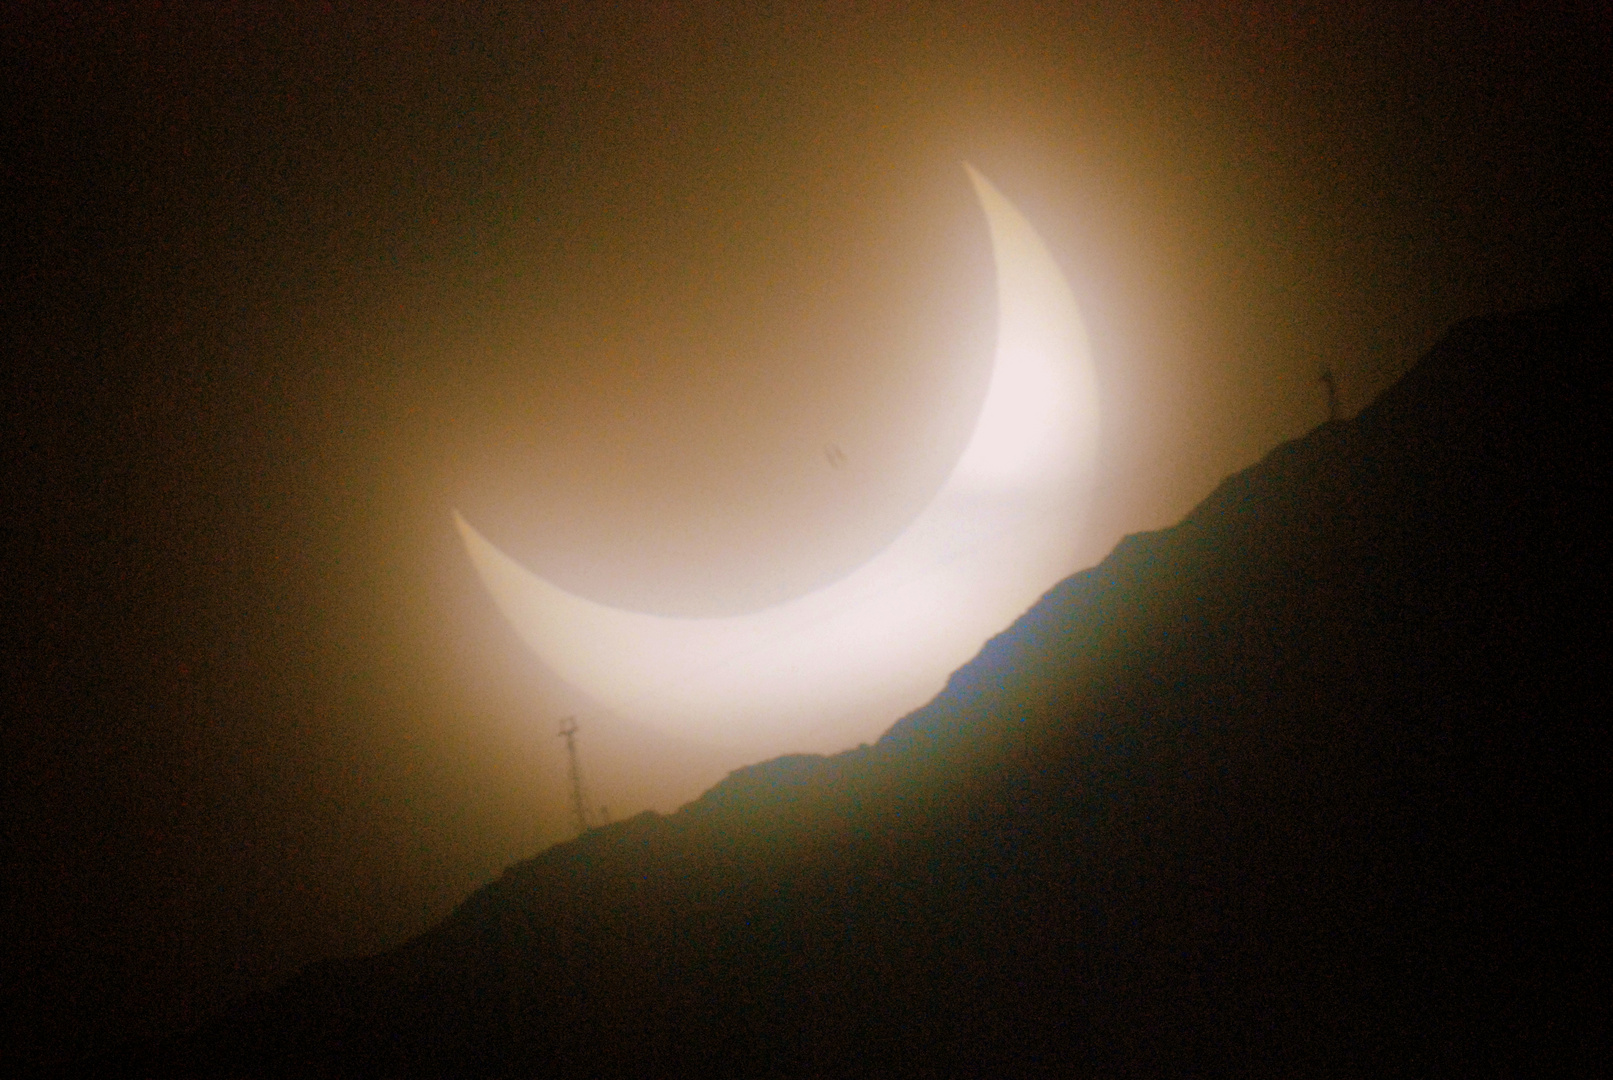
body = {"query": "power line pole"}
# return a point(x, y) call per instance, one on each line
point(579, 804)
point(1332, 387)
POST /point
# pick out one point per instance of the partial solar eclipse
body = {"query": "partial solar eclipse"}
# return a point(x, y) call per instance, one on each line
point(837, 665)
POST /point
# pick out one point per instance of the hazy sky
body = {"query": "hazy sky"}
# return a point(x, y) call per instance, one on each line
point(295, 284)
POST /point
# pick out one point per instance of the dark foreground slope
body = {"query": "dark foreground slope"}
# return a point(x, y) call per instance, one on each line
point(1303, 785)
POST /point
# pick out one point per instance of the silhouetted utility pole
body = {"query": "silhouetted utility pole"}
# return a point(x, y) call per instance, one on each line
point(1332, 388)
point(579, 805)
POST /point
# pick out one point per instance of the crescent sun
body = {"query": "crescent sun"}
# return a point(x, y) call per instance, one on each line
point(812, 673)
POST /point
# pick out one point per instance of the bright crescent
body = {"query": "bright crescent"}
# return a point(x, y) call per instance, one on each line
point(835, 666)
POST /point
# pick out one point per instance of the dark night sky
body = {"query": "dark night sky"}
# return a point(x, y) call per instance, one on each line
point(287, 287)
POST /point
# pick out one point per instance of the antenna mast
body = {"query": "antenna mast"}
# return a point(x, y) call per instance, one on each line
point(579, 805)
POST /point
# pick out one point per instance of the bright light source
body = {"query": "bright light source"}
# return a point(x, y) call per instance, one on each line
point(803, 675)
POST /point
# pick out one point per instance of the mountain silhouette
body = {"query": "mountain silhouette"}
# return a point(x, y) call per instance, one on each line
point(1307, 784)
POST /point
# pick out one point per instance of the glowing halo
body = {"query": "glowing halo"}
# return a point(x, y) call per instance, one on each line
point(814, 672)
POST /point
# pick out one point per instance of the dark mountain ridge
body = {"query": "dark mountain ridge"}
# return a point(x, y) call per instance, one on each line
point(1305, 784)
